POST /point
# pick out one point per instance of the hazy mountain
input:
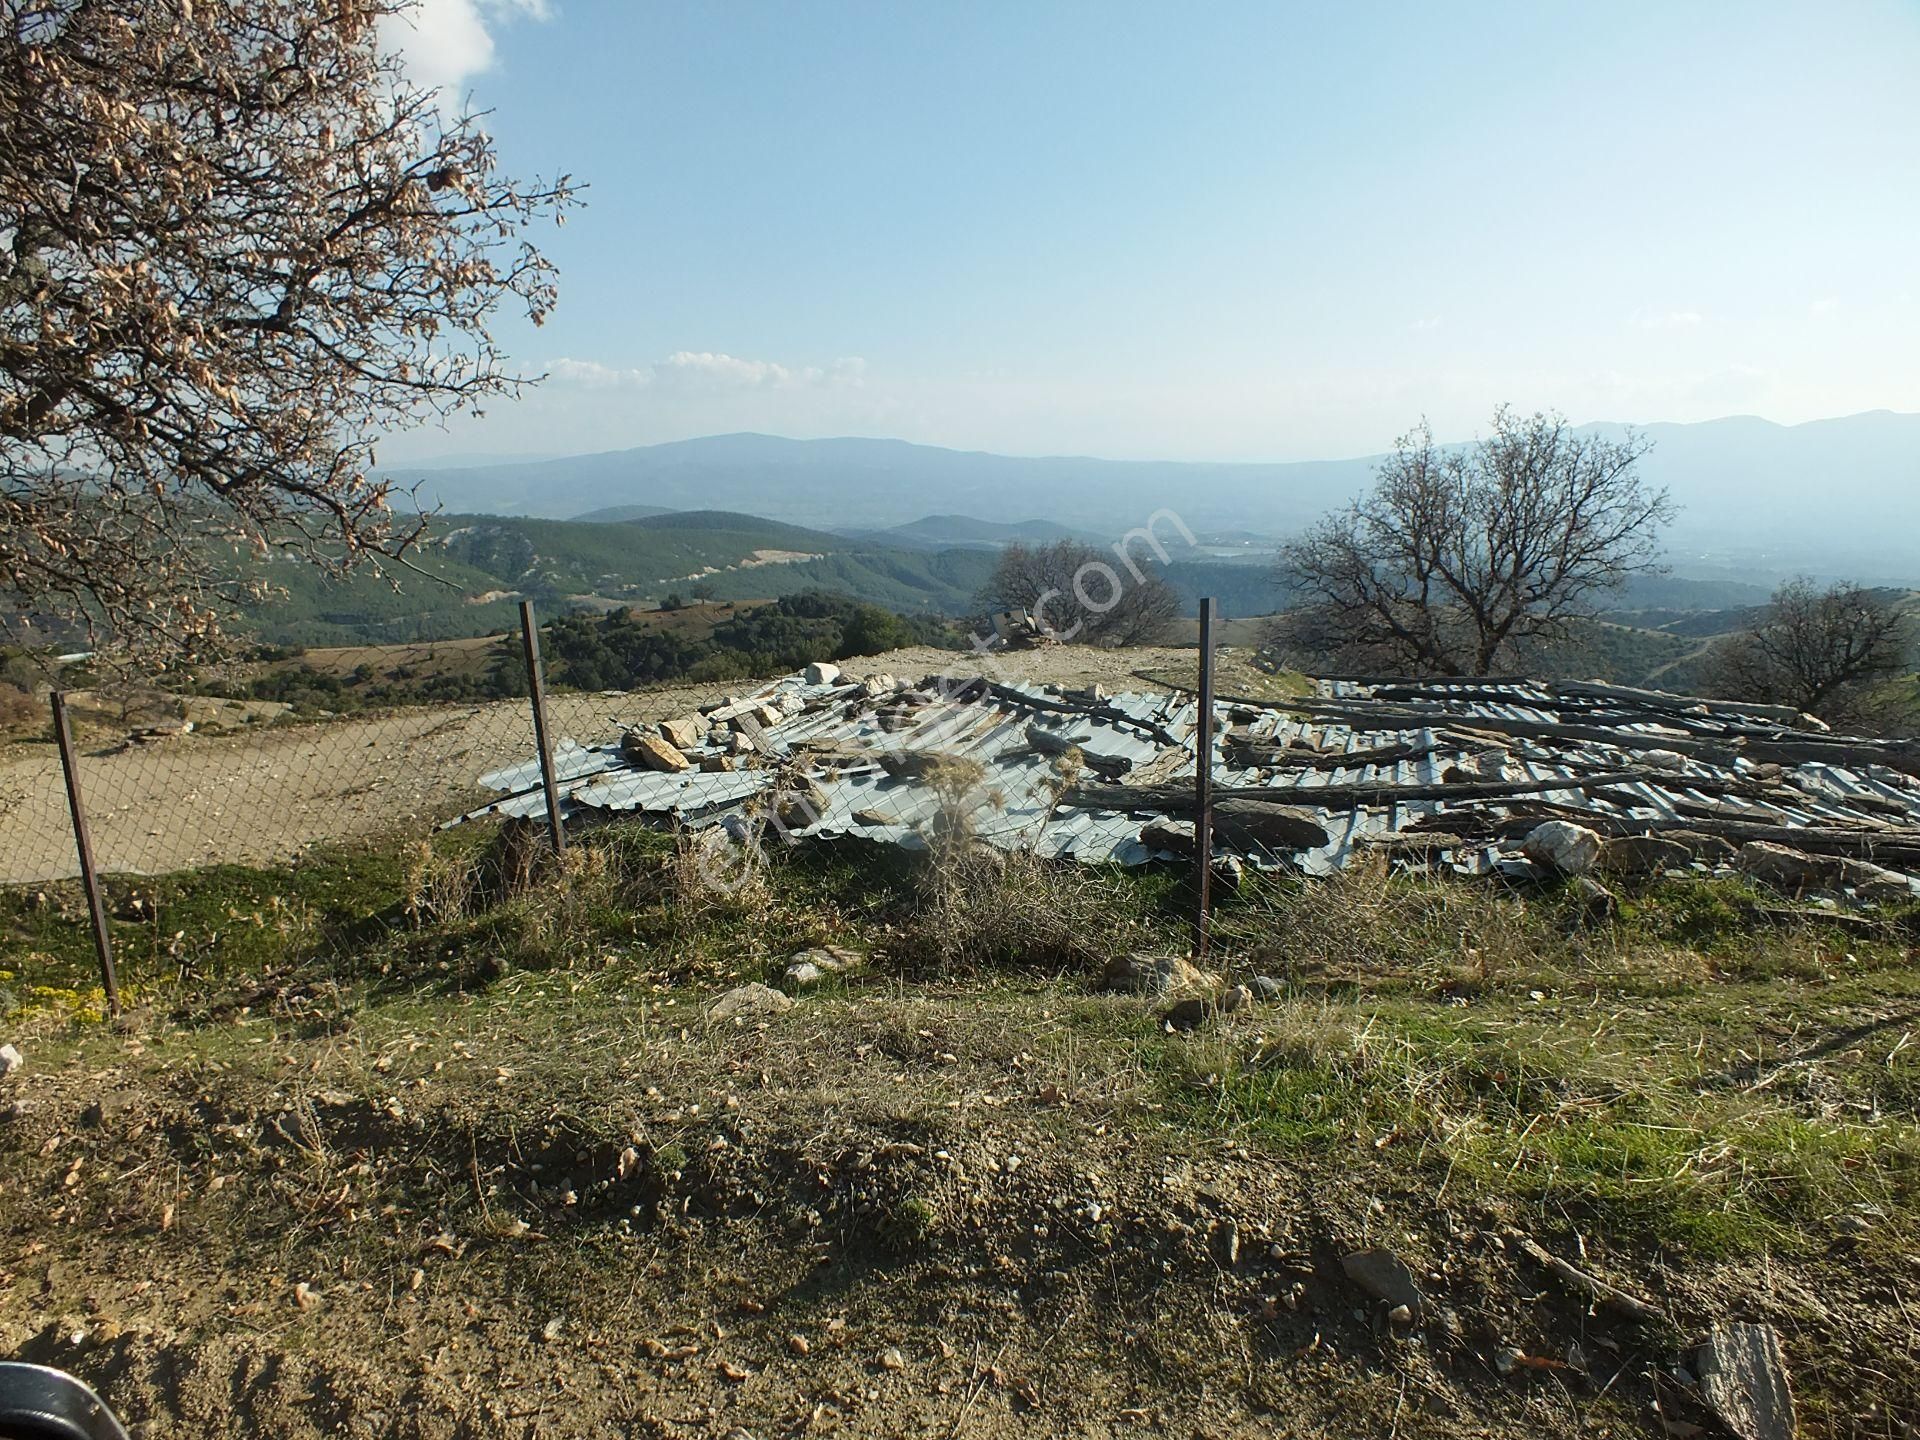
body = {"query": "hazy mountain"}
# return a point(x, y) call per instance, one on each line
point(943, 530)
point(1841, 496)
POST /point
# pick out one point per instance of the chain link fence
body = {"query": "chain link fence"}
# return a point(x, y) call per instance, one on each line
point(173, 784)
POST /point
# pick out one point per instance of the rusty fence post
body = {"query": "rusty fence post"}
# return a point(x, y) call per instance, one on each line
point(83, 843)
point(537, 690)
point(1203, 788)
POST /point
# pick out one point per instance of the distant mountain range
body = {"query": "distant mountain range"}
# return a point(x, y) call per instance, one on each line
point(1839, 496)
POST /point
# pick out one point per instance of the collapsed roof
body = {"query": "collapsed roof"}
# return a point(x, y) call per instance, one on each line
point(1455, 773)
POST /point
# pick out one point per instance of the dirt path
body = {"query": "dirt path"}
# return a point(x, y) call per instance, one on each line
point(268, 795)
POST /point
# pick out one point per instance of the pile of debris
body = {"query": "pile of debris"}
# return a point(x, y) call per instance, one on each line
point(1514, 777)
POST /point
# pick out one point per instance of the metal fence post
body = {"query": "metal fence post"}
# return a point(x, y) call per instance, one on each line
point(83, 842)
point(1203, 787)
point(537, 689)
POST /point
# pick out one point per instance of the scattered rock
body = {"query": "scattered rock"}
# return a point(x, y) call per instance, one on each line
point(653, 752)
point(1668, 760)
point(822, 673)
point(1631, 855)
point(1598, 907)
point(1152, 974)
point(1401, 1315)
point(682, 734)
point(1561, 845)
point(892, 1359)
point(1794, 872)
point(1169, 836)
point(1266, 988)
point(746, 1002)
point(1235, 997)
point(10, 1060)
point(809, 967)
point(1383, 1275)
point(1188, 1014)
point(877, 685)
point(1228, 873)
point(799, 1345)
point(1743, 1377)
point(714, 764)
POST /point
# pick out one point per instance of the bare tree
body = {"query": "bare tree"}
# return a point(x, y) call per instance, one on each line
point(1076, 593)
point(236, 246)
point(1459, 555)
point(1817, 650)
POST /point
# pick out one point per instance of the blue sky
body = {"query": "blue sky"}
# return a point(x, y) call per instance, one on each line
point(1239, 231)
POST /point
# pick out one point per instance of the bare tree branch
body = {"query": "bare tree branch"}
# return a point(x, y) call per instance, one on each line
point(1459, 556)
point(236, 247)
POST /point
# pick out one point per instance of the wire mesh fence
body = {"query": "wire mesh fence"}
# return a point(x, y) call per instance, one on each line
point(235, 788)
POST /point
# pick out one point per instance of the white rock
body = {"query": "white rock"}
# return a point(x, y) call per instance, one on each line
point(10, 1060)
point(1571, 849)
point(822, 672)
point(1663, 760)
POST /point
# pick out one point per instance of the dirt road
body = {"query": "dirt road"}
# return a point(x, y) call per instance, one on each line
point(267, 795)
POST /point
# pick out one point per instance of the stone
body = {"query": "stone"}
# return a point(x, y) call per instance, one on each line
point(1384, 1276)
point(10, 1060)
point(1229, 873)
point(1188, 1014)
point(1266, 988)
point(1598, 906)
point(751, 1001)
point(1563, 846)
point(714, 764)
point(807, 968)
point(1668, 760)
point(1162, 835)
point(1151, 974)
point(1235, 997)
point(878, 685)
point(822, 672)
point(1743, 1378)
point(652, 752)
point(1635, 855)
point(682, 734)
point(1794, 872)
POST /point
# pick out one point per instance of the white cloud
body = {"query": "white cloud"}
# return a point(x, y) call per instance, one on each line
point(1430, 322)
point(707, 371)
point(1823, 308)
point(446, 43)
point(1667, 319)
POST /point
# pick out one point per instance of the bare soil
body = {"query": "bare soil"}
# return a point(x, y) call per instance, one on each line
point(569, 1206)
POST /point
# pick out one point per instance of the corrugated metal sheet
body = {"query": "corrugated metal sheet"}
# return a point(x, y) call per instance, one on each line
point(842, 748)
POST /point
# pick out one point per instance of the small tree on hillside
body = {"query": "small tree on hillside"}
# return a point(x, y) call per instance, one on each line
point(1458, 556)
point(1817, 650)
point(1075, 593)
point(236, 246)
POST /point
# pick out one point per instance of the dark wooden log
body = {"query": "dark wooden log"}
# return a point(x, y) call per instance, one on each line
point(1330, 797)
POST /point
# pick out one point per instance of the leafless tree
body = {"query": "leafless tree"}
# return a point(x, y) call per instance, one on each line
point(1078, 594)
point(236, 246)
point(1459, 555)
point(1819, 650)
